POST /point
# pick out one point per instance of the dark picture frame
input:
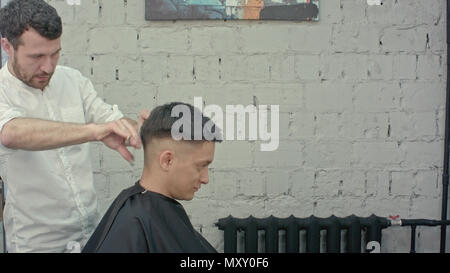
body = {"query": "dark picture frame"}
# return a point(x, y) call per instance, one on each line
point(295, 10)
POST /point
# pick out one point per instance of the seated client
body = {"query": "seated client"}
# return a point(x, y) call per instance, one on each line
point(147, 217)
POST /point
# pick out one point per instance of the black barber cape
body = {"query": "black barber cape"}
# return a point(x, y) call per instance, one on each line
point(141, 221)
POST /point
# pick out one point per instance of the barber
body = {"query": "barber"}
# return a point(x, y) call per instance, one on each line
point(48, 114)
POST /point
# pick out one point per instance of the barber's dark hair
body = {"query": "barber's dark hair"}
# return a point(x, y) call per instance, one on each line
point(19, 15)
point(159, 124)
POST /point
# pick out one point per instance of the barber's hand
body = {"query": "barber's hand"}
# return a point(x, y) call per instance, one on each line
point(133, 138)
point(115, 134)
point(134, 127)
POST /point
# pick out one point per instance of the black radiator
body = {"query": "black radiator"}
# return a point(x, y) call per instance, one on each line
point(352, 233)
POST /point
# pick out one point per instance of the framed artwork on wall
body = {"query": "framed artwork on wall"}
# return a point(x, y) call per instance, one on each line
point(294, 10)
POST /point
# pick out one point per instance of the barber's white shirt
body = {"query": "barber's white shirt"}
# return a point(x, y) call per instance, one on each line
point(51, 198)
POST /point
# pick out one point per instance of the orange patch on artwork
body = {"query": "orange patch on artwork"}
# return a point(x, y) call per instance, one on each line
point(252, 9)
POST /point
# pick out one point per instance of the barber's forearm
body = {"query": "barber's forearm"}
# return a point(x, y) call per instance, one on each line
point(37, 134)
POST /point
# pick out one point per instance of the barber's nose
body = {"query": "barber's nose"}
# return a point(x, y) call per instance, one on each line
point(48, 66)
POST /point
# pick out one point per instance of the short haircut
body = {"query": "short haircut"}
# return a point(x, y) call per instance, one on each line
point(19, 15)
point(160, 122)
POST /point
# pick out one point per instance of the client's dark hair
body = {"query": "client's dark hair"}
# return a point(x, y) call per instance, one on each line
point(19, 15)
point(161, 120)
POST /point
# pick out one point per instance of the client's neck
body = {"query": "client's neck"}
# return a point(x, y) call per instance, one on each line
point(154, 182)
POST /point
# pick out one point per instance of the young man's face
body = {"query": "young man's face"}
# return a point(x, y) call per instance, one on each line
point(190, 169)
point(35, 58)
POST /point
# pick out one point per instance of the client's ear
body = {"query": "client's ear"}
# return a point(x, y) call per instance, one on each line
point(166, 160)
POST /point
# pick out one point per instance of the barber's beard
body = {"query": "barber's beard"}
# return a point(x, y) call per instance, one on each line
point(30, 80)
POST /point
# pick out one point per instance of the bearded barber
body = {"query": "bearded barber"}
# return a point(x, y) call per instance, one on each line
point(48, 114)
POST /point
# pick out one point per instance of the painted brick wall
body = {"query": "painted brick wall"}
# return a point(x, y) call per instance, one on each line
point(361, 96)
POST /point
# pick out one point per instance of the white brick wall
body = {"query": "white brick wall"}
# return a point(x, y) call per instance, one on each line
point(361, 95)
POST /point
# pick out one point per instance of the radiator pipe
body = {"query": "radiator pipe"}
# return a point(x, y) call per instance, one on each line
point(419, 222)
point(413, 239)
point(2, 204)
point(446, 143)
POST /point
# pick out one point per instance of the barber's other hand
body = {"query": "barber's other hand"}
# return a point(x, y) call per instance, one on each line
point(145, 113)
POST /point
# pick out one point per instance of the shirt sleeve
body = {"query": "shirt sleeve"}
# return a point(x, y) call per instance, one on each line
point(96, 109)
point(7, 113)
